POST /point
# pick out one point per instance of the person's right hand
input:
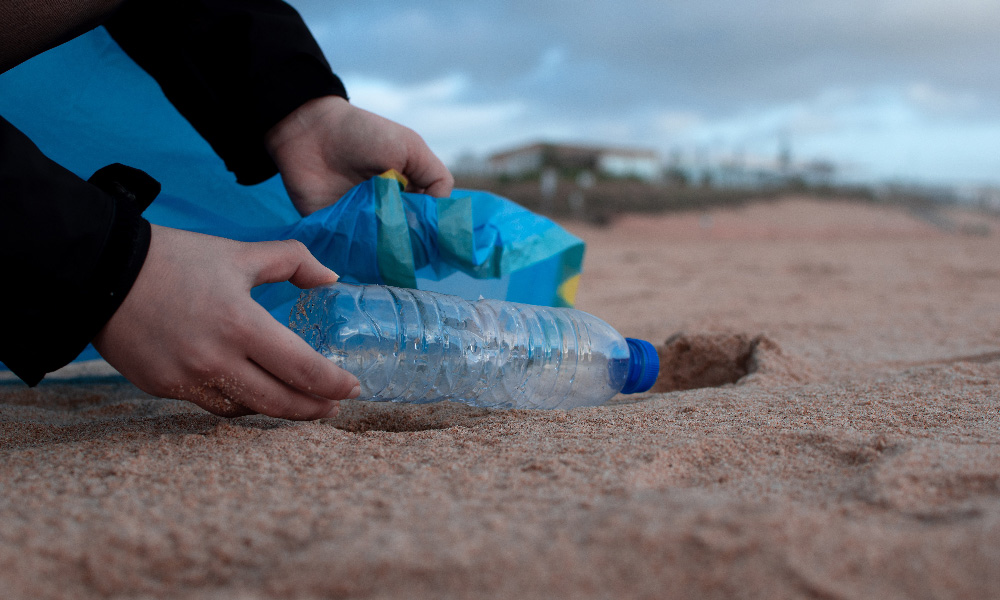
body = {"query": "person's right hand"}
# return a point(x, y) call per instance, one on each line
point(327, 146)
point(189, 329)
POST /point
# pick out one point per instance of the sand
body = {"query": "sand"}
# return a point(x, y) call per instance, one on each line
point(827, 426)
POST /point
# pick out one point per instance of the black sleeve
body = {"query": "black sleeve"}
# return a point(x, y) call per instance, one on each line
point(70, 252)
point(233, 68)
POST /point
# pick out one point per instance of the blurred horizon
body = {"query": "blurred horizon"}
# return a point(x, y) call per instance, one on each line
point(901, 90)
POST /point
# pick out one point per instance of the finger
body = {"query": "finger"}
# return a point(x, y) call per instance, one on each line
point(440, 189)
point(427, 173)
point(255, 390)
point(282, 353)
point(288, 260)
point(211, 396)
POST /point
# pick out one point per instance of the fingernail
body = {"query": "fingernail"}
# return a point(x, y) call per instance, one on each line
point(333, 411)
point(355, 391)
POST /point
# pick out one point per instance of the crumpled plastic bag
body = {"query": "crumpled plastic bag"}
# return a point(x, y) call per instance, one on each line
point(472, 244)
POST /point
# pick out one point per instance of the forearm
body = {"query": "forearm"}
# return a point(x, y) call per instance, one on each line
point(70, 251)
point(233, 68)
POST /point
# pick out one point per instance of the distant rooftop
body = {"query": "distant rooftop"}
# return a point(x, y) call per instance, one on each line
point(613, 161)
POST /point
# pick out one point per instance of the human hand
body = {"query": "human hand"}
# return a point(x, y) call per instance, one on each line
point(328, 145)
point(189, 329)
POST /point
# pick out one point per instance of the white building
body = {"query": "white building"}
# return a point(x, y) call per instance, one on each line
point(612, 162)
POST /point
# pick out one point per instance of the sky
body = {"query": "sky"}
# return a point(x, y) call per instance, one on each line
point(887, 90)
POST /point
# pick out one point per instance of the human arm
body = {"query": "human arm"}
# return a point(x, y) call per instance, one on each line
point(232, 68)
point(171, 310)
point(327, 146)
point(70, 252)
point(190, 330)
point(95, 258)
point(252, 80)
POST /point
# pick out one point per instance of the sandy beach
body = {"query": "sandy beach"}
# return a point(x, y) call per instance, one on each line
point(826, 425)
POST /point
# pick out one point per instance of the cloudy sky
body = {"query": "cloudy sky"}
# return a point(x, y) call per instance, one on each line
point(907, 90)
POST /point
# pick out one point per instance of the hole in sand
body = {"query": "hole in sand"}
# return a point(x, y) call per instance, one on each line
point(690, 361)
point(359, 417)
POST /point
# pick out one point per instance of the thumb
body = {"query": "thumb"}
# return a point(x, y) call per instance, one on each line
point(441, 188)
point(425, 170)
point(288, 260)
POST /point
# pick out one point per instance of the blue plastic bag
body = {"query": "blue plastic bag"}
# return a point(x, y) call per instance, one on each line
point(86, 105)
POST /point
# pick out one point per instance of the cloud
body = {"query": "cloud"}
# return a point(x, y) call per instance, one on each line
point(671, 123)
point(715, 52)
point(933, 99)
point(874, 134)
point(435, 109)
point(387, 98)
point(712, 73)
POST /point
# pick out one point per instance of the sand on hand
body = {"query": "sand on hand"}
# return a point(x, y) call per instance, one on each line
point(827, 425)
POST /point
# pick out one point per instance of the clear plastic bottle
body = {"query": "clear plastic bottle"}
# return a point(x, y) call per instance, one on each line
point(416, 346)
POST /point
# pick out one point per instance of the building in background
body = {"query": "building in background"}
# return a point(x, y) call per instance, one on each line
point(606, 161)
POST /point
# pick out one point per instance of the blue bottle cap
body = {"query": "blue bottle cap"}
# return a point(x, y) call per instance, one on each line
point(643, 366)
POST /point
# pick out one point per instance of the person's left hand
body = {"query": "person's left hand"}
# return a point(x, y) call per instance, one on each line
point(327, 146)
